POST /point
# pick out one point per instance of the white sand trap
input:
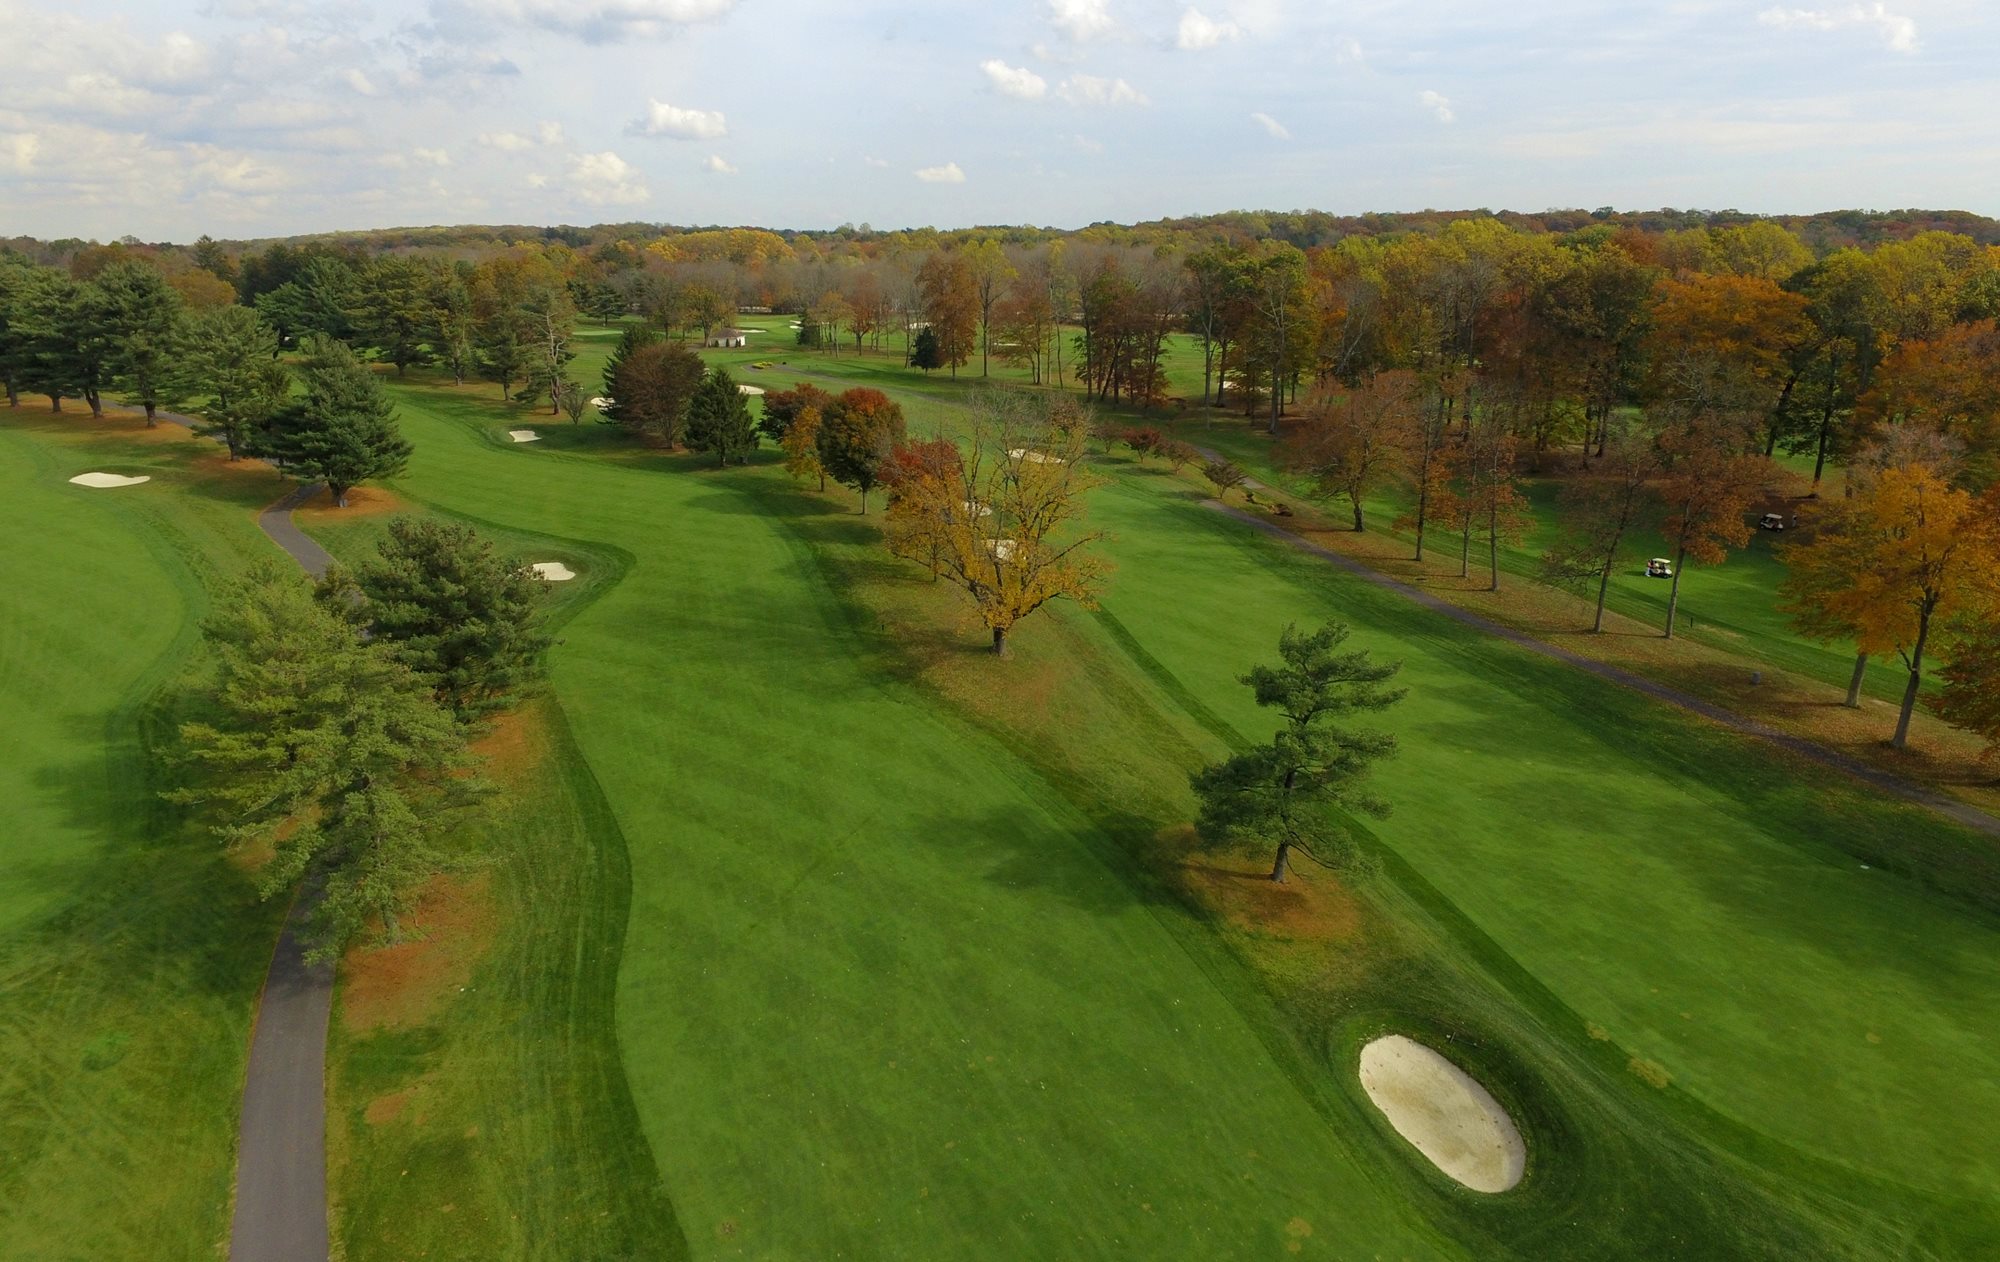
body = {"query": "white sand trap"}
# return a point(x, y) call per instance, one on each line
point(600, 403)
point(524, 435)
point(1035, 457)
point(977, 509)
point(1444, 1113)
point(1001, 548)
point(750, 389)
point(553, 571)
point(105, 481)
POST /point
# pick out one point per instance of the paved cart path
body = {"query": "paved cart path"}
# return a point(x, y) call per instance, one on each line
point(280, 1213)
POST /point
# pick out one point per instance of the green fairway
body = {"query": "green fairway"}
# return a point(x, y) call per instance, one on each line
point(891, 986)
point(130, 949)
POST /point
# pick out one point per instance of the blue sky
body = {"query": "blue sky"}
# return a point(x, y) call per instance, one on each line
point(268, 117)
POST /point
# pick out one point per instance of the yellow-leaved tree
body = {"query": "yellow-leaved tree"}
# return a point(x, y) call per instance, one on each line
point(1905, 555)
point(1002, 516)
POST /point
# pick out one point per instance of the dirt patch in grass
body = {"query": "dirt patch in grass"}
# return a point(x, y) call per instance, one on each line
point(407, 983)
point(512, 742)
point(1303, 909)
point(391, 1106)
point(362, 501)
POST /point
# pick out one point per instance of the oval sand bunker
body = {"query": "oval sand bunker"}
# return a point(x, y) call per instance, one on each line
point(1444, 1113)
point(105, 481)
point(524, 435)
point(553, 571)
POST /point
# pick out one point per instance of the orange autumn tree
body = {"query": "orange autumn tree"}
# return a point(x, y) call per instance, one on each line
point(1002, 517)
point(1707, 494)
point(1906, 555)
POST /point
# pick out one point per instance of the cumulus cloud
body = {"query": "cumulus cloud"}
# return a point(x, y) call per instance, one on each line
point(1087, 89)
point(1199, 31)
point(1015, 81)
point(515, 142)
point(593, 21)
point(1899, 33)
point(1080, 19)
point(663, 119)
point(1270, 125)
point(946, 174)
point(605, 179)
point(716, 166)
point(1438, 104)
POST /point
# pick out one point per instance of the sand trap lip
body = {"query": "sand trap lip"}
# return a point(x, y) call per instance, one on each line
point(524, 435)
point(553, 571)
point(600, 402)
point(750, 389)
point(105, 481)
point(1444, 1113)
point(1035, 457)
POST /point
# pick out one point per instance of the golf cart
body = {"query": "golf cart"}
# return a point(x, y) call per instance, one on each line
point(1771, 521)
point(1659, 567)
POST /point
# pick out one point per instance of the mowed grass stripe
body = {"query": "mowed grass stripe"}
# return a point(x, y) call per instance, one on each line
point(844, 903)
point(1696, 898)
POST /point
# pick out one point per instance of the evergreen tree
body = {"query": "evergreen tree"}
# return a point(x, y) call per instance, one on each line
point(1285, 791)
point(630, 341)
point(925, 352)
point(651, 390)
point(229, 357)
point(344, 431)
point(324, 746)
point(453, 610)
point(137, 314)
point(719, 419)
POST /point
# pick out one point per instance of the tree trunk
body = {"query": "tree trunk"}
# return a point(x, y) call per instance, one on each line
point(1493, 544)
point(1674, 592)
point(1356, 501)
point(999, 641)
point(1603, 589)
point(96, 401)
point(339, 494)
point(1853, 701)
point(152, 414)
point(1284, 855)
point(55, 403)
point(1825, 421)
point(1902, 738)
point(1465, 548)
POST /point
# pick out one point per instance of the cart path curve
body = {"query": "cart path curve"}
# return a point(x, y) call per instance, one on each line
point(1958, 812)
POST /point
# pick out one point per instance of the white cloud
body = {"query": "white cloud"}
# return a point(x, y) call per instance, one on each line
point(605, 179)
point(717, 166)
point(1080, 19)
point(594, 21)
point(1087, 89)
point(1347, 51)
point(878, 163)
point(1899, 33)
point(1438, 104)
point(1199, 31)
point(1085, 144)
point(19, 149)
point(946, 174)
point(549, 133)
point(431, 157)
point(505, 141)
point(1270, 125)
point(663, 119)
point(1015, 81)
point(361, 83)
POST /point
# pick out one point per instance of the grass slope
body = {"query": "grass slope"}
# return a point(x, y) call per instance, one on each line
point(860, 1016)
point(130, 948)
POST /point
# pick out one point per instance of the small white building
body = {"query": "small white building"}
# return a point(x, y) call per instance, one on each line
point(728, 338)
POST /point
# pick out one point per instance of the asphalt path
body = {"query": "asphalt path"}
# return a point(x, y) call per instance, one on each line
point(280, 1213)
